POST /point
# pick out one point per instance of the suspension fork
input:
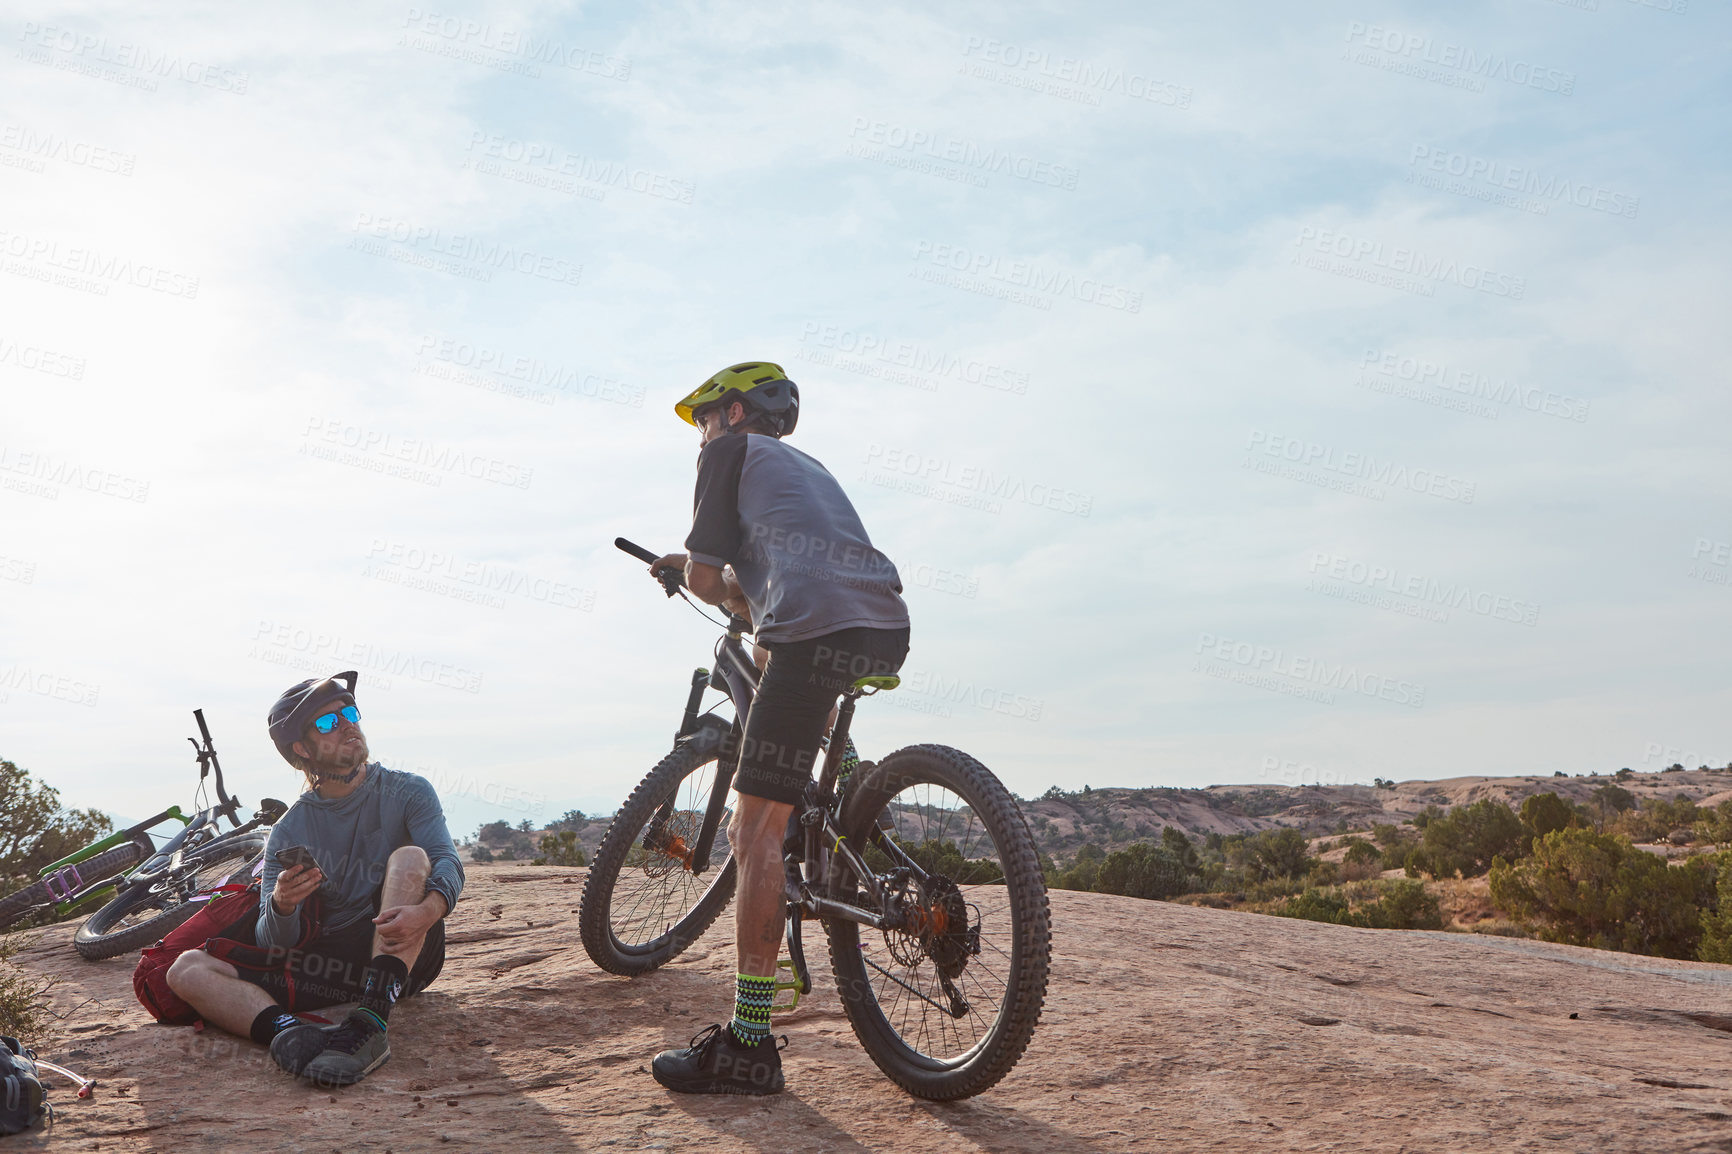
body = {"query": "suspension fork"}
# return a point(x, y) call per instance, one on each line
point(726, 762)
point(738, 677)
point(688, 726)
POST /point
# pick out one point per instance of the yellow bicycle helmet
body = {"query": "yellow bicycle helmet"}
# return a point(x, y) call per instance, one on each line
point(762, 386)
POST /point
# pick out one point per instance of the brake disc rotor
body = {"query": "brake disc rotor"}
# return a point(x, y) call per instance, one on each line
point(671, 848)
point(936, 927)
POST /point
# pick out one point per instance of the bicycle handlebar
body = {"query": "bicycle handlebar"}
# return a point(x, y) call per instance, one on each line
point(672, 579)
point(207, 760)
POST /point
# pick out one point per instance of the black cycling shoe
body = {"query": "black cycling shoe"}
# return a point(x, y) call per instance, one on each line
point(296, 1046)
point(716, 1063)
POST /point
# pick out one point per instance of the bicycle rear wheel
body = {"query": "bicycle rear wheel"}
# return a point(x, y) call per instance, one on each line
point(642, 903)
point(947, 1004)
point(143, 913)
point(96, 868)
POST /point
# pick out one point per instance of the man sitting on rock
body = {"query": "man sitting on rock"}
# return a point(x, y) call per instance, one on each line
point(386, 874)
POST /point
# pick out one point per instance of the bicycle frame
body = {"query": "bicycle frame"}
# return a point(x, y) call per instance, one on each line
point(736, 675)
point(74, 890)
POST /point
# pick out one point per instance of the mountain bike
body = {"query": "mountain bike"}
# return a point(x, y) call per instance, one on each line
point(162, 892)
point(151, 898)
point(920, 867)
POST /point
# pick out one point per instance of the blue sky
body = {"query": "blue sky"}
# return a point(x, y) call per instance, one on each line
point(1247, 393)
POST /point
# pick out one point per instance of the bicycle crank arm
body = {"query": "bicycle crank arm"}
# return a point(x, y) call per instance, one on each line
point(797, 955)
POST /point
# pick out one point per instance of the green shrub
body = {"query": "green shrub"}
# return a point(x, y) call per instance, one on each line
point(1316, 905)
point(1175, 842)
point(560, 849)
point(21, 993)
point(1388, 836)
point(1612, 799)
point(1466, 840)
point(1544, 812)
point(1275, 853)
point(1082, 871)
point(1405, 905)
point(1324, 873)
point(1716, 943)
point(1587, 888)
point(1143, 870)
point(1400, 905)
point(1715, 825)
point(1361, 852)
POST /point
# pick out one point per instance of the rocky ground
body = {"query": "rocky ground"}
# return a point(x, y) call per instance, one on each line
point(1167, 1027)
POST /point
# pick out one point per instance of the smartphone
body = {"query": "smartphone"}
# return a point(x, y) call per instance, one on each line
point(296, 855)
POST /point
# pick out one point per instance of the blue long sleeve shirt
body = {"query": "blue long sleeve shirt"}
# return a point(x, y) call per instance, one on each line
point(352, 839)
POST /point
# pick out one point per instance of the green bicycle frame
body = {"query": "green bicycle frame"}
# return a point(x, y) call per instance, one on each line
point(63, 908)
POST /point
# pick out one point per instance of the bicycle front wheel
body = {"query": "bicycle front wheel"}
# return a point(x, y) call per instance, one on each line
point(947, 1003)
point(144, 913)
point(644, 902)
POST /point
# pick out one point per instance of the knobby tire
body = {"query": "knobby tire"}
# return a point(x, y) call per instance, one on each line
point(599, 923)
point(1021, 971)
point(99, 867)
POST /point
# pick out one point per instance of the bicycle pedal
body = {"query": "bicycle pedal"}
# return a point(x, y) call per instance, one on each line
point(793, 985)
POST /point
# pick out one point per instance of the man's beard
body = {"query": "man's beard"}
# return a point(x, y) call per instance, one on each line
point(341, 766)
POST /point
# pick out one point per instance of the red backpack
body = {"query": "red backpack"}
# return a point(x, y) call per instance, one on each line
point(226, 928)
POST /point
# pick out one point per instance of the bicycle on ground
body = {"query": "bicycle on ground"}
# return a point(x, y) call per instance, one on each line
point(149, 890)
point(920, 867)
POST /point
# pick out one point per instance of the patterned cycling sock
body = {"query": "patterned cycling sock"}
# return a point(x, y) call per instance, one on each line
point(752, 998)
point(385, 980)
point(271, 1021)
point(850, 759)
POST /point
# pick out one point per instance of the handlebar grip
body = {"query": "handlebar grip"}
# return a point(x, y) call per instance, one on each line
point(672, 579)
point(203, 729)
point(635, 550)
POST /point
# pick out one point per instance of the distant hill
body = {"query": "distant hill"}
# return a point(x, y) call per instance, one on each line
point(1064, 821)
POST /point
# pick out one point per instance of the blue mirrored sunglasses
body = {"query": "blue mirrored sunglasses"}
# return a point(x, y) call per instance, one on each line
point(325, 723)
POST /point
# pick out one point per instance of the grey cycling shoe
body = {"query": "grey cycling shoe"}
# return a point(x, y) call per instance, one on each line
point(296, 1046)
point(352, 1051)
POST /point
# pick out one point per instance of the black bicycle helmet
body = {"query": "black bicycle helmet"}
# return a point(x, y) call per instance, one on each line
point(299, 704)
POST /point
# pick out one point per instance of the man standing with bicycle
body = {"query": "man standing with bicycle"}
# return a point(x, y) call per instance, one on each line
point(366, 848)
point(774, 540)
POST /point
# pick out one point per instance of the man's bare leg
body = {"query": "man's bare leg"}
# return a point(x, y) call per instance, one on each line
point(760, 905)
point(405, 885)
point(215, 989)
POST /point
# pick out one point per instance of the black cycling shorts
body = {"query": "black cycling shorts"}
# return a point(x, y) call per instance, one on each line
point(332, 968)
point(799, 686)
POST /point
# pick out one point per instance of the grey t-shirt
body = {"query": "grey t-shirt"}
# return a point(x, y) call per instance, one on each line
point(352, 839)
point(797, 546)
